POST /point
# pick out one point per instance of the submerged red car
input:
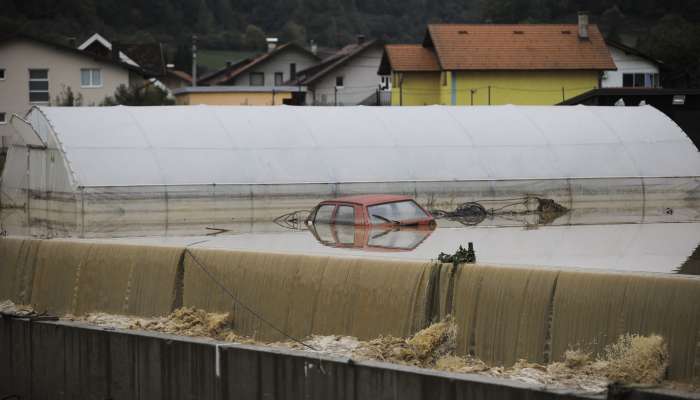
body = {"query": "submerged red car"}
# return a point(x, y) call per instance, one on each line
point(371, 210)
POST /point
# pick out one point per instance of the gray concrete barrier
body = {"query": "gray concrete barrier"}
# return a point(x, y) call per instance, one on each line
point(67, 360)
point(61, 360)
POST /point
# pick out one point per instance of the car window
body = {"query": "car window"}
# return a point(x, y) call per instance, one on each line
point(391, 239)
point(396, 211)
point(325, 233)
point(345, 215)
point(345, 234)
point(323, 214)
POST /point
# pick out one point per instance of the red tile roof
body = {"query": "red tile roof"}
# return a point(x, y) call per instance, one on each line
point(182, 75)
point(411, 57)
point(518, 47)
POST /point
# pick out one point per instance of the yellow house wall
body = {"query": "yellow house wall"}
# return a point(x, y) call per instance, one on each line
point(233, 99)
point(416, 89)
point(447, 81)
point(518, 87)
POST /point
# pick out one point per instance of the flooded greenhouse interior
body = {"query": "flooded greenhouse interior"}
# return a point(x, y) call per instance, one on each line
point(589, 222)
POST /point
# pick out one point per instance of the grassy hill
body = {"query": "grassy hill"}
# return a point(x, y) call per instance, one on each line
point(213, 60)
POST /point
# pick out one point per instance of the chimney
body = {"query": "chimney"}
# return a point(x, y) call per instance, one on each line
point(360, 39)
point(271, 43)
point(313, 47)
point(116, 48)
point(583, 25)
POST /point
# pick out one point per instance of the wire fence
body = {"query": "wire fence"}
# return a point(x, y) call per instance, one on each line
point(481, 95)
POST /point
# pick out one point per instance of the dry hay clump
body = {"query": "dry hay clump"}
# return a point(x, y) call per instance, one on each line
point(637, 359)
point(189, 321)
point(423, 349)
point(18, 310)
point(465, 365)
point(632, 359)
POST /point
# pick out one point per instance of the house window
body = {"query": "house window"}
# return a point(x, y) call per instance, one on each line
point(640, 80)
point(679, 100)
point(292, 71)
point(339, 81)
point(627, 80)
point(2, 74)
point(279, 78)
point(3, 118)
point(38, 85)
point(257, 79)
point(90, 77)
point(385, 82)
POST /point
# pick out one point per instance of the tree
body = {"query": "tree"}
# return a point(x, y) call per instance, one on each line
point(676, 42)
point(68, 99)
point(294, 32)
point(254, 38)
point(612, 19)
point(510, 11)
point(224, 14)
point(148, 95)
point(183, 57)
point(205, 19)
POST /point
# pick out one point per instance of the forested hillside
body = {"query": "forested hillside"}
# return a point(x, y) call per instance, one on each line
point(667, 29)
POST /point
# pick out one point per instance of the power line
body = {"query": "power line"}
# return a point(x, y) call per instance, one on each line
point(240, 303)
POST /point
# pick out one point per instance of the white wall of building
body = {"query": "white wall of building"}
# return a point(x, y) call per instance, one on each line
point(627, 64)
point(360, 80)
point(18, 56)
point(278, 63)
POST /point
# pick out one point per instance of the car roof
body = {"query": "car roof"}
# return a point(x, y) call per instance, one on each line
point(370, 199)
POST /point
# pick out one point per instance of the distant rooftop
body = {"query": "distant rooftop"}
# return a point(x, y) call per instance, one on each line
point(455, 47)
point(517, 47)
point(237, 89)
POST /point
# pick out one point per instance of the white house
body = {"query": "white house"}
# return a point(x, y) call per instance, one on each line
point(34, 71)
point(275, 68)
point(348, 77)
point(634, 68)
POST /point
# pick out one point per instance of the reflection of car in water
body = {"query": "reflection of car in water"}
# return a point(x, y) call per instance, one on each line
point(374, 210)
point(380, 238)
point(372, 222)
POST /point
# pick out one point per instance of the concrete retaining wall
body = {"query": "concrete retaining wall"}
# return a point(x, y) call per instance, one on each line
point(58, 360)
point(65, 360)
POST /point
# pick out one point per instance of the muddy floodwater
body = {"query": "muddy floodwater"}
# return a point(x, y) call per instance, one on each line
point(664, 247)
point(661, 248)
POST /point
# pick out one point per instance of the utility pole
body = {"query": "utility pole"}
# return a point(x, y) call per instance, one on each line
point(194, 60)
point(335, 96)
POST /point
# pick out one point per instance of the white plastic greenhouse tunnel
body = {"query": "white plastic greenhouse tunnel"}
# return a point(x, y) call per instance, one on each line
point(245, 160)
